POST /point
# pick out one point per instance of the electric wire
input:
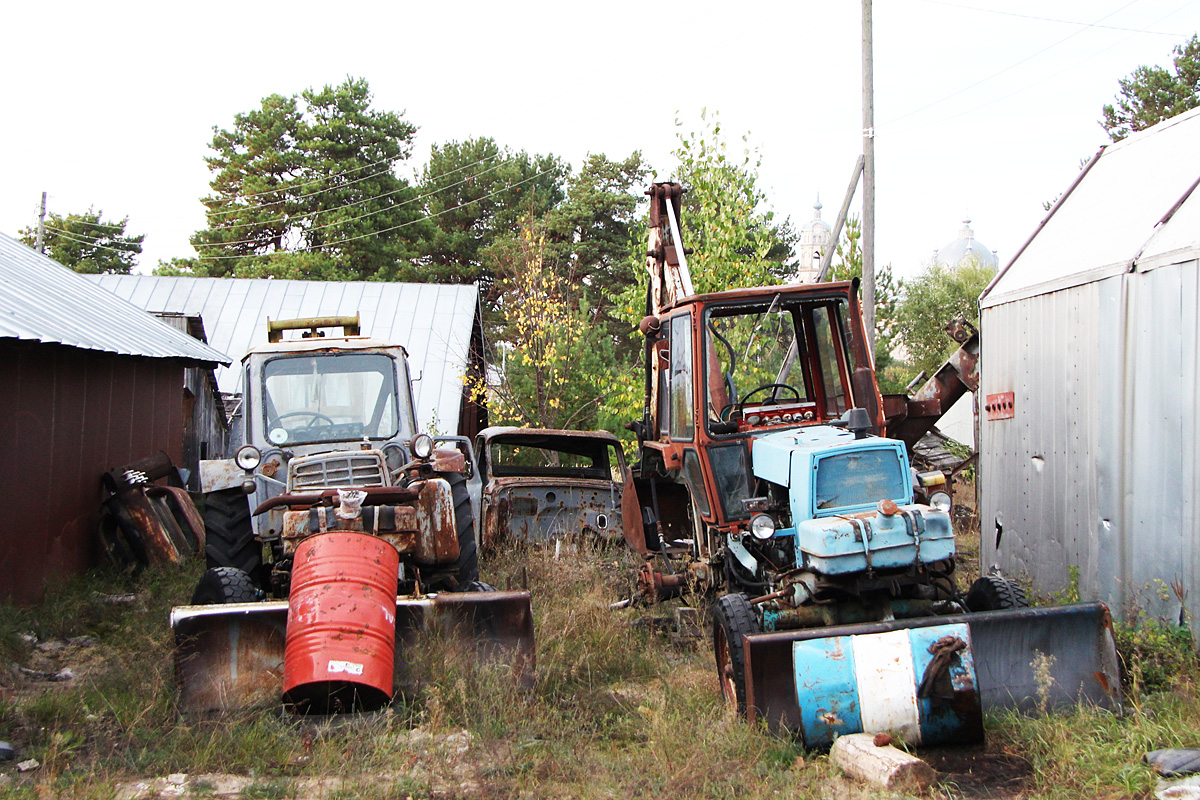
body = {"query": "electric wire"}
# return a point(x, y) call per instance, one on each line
point(313, 215)
point(1014, 65)
point(1044, 78)
point(360, 237)
point(96, 244)
point(1052, 19)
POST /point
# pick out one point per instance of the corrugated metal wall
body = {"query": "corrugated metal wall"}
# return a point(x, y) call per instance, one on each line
point(66, 416)
point(1097, 469)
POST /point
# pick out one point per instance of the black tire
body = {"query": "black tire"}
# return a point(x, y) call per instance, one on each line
point(225, 585)
point(733, 618)
point(994, 593)
point(229, 532)
point(466, 568)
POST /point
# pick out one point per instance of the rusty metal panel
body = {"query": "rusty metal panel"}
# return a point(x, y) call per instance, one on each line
point(62, 419)
point(1075, 643)
point(999, 405)
point(231, 656)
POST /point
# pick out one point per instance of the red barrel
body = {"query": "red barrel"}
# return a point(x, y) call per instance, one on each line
point(341, 628)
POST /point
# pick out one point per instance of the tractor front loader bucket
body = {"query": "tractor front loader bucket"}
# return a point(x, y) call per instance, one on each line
point(910, 676)
point(232, 656)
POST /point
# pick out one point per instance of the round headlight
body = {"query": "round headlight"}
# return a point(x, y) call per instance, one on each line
point(248, 457)
point(422, 445)
point(940, 501)
point(762, 526)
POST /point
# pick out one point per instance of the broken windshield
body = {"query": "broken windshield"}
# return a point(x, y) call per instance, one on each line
point(330, 397)
point(777, 352)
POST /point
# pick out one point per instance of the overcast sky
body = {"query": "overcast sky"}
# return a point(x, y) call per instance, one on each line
point(982, 107)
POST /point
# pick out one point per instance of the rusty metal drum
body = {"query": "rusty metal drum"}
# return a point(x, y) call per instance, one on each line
point(341, 627)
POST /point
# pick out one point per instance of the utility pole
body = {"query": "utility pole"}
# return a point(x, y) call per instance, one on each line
point(41, 232)
point(868, 218)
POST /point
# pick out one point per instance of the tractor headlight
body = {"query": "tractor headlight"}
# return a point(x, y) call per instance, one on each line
point(762, 526)
point(248, 457)
point(940, 501)
point(422, 445)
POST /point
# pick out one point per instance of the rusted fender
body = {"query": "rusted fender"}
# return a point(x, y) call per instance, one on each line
point(231, 656)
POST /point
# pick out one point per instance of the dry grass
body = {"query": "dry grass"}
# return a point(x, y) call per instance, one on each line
point(620, 709)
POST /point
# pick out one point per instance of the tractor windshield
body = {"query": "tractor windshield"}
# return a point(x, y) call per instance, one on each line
point(330, 397)
point(781, 352)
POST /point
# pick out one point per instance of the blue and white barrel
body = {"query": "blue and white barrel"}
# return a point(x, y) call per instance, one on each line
point(873, 683)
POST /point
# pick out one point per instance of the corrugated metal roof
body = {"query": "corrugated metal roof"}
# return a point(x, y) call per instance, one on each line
point(432, 321)
point(1111, 217)
point(41, 300)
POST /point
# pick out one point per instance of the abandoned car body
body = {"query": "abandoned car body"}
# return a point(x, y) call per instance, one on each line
point(552, 485)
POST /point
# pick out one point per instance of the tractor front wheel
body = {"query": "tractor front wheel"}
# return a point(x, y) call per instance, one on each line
point(229, 532)
point(733, 618)
point(225, 585)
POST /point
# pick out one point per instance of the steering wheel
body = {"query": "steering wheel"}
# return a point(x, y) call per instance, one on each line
point(316, 417)
point(767, 386)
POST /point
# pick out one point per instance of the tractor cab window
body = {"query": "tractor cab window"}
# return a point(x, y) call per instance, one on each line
point(330, 397)
point(780, 356)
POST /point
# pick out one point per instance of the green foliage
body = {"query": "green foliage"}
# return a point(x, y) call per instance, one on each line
point(305, 187)
point(736, 242)
point(848, 265)
point(476, 192)
point(930, 301)
point(553, 351)
point(1151, 94)
point(87, 244)
point(560, 332)
point(1155, 654)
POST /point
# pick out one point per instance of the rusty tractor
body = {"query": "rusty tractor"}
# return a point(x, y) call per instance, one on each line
point(362, 534)
point(768, 484)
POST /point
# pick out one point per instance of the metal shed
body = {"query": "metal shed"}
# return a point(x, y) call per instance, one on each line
point(1090, 382)
point(91, 382)
point(439, 325)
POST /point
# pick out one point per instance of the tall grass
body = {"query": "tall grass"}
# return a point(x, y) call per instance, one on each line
point(618, 710)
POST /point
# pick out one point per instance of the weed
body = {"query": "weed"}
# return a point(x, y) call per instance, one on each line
point(1155, 654)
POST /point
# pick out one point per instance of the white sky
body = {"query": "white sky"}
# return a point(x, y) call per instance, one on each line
point(983, 107)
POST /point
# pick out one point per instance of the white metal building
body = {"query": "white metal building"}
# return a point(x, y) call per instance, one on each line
point(439, 325)
point(1090, 391)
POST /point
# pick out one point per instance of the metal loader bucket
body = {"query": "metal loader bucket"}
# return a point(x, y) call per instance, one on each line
point(1071, 646)
point(232, 656)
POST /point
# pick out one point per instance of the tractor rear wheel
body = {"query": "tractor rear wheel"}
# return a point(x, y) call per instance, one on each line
point(733, 618)
point(225, 585)
point(466, 568)
point(994, 593)
point(229, 532)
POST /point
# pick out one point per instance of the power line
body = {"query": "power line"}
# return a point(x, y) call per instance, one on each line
point(314, 214)
point(403, 224)
point(86, 243)
point(1052, 19)
point(1043, 79)
point(1002, 71)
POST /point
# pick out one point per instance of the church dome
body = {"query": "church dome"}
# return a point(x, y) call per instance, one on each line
point(952, 254)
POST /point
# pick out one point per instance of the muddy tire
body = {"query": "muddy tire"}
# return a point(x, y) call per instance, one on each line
point(466, 569)
point(733, 618)
point(225, 585)
point(229, 532)
point(995, 593)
